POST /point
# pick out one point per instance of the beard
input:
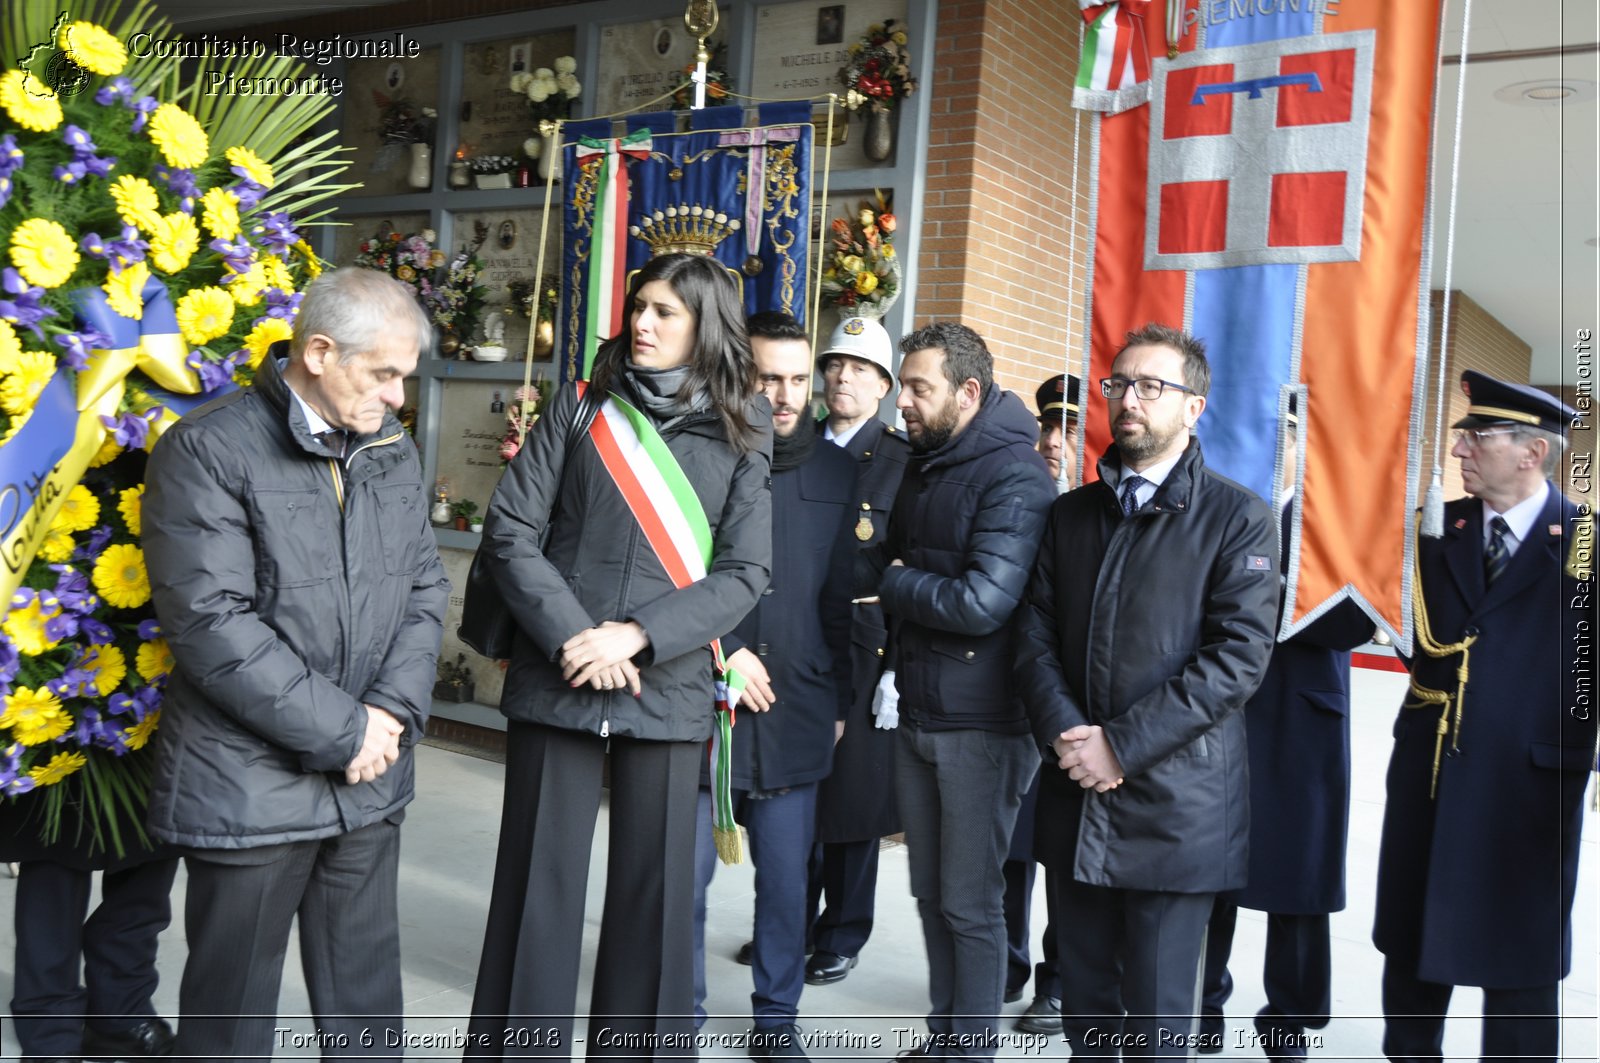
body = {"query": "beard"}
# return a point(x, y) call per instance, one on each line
point(1149, 443)
point(929, 435)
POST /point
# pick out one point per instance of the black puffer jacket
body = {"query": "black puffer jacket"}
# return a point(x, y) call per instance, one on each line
point(1158, 628)
point(966, 523)
point(598, 567)
point(292, 589)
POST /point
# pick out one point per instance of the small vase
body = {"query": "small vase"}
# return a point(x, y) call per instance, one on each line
point(544, 339)
point(420, 175)
point(550, 159)
point(440, 514)
point(878, 140)
point(460, 174)
point(449, 343)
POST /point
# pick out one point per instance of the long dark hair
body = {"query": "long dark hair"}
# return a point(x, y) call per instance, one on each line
point(721, 364)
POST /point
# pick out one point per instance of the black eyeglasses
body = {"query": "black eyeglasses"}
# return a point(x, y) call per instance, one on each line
point(1148, 388)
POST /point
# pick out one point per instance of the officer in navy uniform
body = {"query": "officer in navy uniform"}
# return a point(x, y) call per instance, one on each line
point(1479, 858)
point(1057, 401)
point(1297, 725)
point(856, 806)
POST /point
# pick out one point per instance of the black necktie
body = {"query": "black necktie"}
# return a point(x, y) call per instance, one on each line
point(1495, 555)
point(1130, 494)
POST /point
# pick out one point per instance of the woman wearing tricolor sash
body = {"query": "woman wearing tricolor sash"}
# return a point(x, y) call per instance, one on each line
point(661, 543)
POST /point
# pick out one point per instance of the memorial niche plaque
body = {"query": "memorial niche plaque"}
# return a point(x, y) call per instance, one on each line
point(382, 117)
point(642, 60)
point(498, 120)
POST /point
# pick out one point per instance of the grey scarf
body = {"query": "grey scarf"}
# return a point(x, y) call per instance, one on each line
point(658, 391)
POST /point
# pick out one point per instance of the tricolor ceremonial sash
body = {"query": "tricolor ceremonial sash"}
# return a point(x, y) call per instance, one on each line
point(607, 289)
point(674, 523)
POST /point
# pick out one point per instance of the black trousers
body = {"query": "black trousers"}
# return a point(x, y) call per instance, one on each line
point(241, 904)
point(643, 999)
point(844, 879)
point(1297, 971)
point(1518, 1024)
point(1130, 969)
point(1018, 907)
point(115, 947)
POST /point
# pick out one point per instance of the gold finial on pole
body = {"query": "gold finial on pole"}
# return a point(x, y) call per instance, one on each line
point(700, 17)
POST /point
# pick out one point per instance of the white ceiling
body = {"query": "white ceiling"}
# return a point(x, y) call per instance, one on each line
point(1527, 199)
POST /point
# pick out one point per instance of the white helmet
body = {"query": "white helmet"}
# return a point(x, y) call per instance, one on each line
point(863, 338)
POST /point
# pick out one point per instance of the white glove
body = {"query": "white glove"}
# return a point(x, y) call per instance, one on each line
point(886, 704)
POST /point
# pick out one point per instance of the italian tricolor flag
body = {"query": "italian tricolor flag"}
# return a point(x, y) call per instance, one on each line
point(1114, 71)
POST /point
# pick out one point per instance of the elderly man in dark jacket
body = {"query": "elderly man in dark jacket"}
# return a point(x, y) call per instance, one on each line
point(794, 651)
point(962, 540)
point(1149, 622)
point(298, 582)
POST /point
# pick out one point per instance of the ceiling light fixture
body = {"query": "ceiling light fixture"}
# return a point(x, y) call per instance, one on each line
point(1564, 91)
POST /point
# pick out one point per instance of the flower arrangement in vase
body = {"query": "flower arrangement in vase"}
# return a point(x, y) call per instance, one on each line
point(861, 275)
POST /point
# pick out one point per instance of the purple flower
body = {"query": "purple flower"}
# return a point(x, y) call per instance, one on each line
point(23, 308)
point(70, 173)
point(11, 156)
point(131, 429)
point(75, 346)
point(149, 629)
point(99, 165)
point(117, 90)
point(282, 304)
point(78, 140)
point(145, 701)
point(74, 682)
point(98, 540)
point(248, 193)
point(213, 374)
point(277, 233)
point(127, 250)
point(178, 182)
point(5, 191)
point(237, 255)
point(10, 660)
point(73, 590)
point(93, 245)
point(142, 107)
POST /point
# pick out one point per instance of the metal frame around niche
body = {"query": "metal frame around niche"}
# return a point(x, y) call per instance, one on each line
point(906, 173)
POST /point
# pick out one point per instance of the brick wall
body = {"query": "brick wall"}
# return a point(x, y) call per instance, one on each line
point(999, 205)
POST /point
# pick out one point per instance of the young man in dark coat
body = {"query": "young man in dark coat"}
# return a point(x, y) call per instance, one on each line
point(1478, 863)
point(298, 581)
point(855, 804)
point(1147, 626)
point(962, 541)
point(1298, 728)
point(794, 651)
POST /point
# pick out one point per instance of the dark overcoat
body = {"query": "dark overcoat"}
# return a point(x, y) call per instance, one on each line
point(1297, 725)
point(1475, 883)
point(800, 627)
point(856, 802)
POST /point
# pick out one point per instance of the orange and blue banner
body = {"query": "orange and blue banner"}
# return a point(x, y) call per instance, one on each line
point(1272, 199)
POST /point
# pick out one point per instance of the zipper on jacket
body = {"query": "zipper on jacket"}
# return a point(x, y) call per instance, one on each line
point(605, 716)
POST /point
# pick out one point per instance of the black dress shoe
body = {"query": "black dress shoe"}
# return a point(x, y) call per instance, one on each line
point(152, 1037)
point(826, 968)
point(1042, 1016)
point(776, 1042)
point(746, 954)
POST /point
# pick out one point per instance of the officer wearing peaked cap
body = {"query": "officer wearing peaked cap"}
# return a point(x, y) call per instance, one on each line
point(1057, 401)
point(855, 805)
point(1479, 857)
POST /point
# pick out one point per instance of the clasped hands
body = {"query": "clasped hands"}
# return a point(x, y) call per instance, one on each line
point(602, 656)
point(380, 747)
point(1087, 758)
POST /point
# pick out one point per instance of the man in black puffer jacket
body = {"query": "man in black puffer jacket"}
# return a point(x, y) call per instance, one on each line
point(962, 539)
point(1148, 626)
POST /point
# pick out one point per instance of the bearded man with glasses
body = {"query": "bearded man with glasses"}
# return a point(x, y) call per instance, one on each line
point(1147, 625)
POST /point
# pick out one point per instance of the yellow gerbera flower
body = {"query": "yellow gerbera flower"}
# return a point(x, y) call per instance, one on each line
point(204, 314)
point(121, 578)
point(31, 372)
point(80, 512)
point(109, 666)
point(180, 138)
point(154, 660)
point(30, 102)
point(43, 252)
point(61, 765)
point(267, 332)
point(174, 239)
point(35, 716)
point(57, 546)
point(107, 452)
point(254, 166)
point(313, 263)
point(24, 626)
point(248, 287)
point(140, 732)
point(10, 347)
point(277, 274)
point(93, 48)
point(137, 203)
point(220, 212)
point(125, 290)
point(131, 505)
